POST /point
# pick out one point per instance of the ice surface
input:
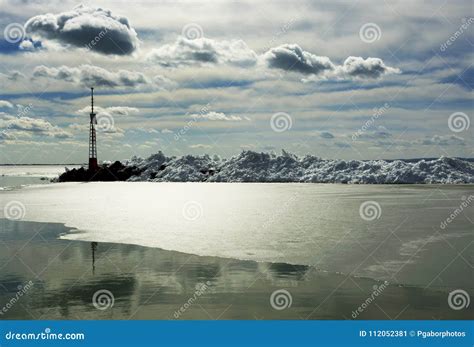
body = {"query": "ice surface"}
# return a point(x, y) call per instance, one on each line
point(251, 166)
point(317, 224)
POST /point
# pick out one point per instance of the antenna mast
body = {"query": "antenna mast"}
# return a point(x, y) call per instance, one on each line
point(93, 165)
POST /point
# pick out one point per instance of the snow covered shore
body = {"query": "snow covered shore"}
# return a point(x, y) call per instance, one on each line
point(251, 166)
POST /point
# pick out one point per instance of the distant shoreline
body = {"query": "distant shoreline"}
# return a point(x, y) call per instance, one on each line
point(387, 160)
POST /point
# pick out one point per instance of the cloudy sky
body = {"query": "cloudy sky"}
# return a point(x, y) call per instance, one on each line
point(350, 80)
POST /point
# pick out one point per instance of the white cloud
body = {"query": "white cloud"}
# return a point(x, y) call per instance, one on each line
point(200, 146)
point(359, 67)
point(113, 111)
point(36, 126)
point(5, 104)
point(291, 57)
point(203, 51)
point(90, 75)
point(216, 116)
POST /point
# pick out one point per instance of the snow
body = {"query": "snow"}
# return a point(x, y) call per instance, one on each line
point(251, 166)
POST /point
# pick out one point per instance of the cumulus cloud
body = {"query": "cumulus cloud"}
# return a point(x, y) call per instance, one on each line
point(5, 136)
point(200, 146)
point(164, 83)
point(216, 116)
point(291, 57)
point(15, 76)
point(5, 104)
point(27, 45)
point(90, 75)
point(113, 111)
point(359, 67)
point(36, 126)
point(441, 140)
point(94, 28)
point(203, 51)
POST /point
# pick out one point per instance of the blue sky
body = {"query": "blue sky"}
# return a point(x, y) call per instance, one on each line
point(349, 80)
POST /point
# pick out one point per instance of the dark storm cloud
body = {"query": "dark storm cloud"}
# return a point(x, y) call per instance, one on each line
point(291, 57)
point(93, 28)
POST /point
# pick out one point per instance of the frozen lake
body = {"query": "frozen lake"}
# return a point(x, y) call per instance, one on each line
point(397, 237)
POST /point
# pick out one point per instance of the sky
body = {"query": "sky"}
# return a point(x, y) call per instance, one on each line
point(336, 79)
